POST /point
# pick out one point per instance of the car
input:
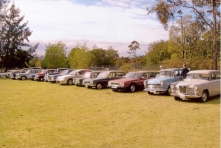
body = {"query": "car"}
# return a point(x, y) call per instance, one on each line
point(91, 74)
point(101, 81)
point(132, 81)
point(40, 76)
point(24, 76)
point(199, 84)
point(4, 75)
point(69, 79)
point(161, 83)
point(13, 74)
point(52, 78)
point(55, 72)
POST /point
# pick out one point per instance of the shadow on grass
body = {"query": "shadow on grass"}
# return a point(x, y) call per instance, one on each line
point(211, 100)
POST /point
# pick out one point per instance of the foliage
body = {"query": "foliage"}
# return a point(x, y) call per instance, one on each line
point(157, 52)
point(13, 38)
point(206, 13)
point(55, 55)
point(80, 57)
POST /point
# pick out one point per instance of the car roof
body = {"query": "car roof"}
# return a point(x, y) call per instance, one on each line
point(203, 71)
point(170, 69)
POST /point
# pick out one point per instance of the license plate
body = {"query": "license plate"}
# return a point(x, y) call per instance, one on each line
point(113, 86)
point(152, 91)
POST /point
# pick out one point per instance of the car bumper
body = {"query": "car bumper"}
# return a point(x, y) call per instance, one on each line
point(61, 81)
point(155, 90)
point(186, 96)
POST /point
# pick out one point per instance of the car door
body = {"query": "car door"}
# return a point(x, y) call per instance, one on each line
point(214, 84)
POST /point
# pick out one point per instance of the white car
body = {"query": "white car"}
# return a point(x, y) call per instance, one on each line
point(200, 84)
point(69, 79)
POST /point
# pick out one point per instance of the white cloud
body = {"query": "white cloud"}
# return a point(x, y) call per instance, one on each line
point(109, 23)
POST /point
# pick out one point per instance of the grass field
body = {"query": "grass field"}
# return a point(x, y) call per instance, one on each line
point(45, 115)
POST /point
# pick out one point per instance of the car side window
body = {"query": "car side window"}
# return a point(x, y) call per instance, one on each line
point(119, 74)
point(176, 73)
point(213, 76)
point(144, 75)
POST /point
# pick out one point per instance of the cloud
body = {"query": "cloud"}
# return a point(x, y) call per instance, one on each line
point(105, 23)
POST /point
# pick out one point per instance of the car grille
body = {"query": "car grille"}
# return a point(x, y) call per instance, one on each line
point(114, 84)
point(183, 89)
point(153, 86)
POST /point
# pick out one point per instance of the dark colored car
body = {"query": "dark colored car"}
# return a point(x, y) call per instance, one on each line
point(79, 81)
point(101, 81)
point(132, 81)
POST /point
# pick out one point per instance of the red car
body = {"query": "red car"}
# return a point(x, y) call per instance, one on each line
point(132, 81)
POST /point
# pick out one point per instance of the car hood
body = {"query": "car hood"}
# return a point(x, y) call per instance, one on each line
point(191, 83)
point(124, 80)
point(158, 80)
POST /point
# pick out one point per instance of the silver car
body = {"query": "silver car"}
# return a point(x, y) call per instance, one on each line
point(200, 84)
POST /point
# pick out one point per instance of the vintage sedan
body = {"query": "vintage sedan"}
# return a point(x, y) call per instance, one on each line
point(200, 84)
point(161, 83)
point(132, 81)
point(69, 79)
point(91, 74)
point(101, 81)
point(53, 77)
point(40, 76)
point(24, 76)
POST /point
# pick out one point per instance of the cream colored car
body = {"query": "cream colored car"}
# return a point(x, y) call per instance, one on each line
point(200, 84)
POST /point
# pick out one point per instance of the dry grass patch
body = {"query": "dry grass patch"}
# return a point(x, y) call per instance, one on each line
point(40, 114)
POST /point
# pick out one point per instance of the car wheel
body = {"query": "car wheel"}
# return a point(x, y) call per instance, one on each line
point(132, 88)
point(99, 86)
point(70, 82)
point(176, 98)
point(169, 91)
point(41, 79)
point(23, 78)
point(149, 93)
point(4, 76)
point(205, 96)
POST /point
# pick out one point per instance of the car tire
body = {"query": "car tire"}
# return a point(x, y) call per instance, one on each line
point(176, 98)
point(205, 96)
point(132, 88)
point(99, 86)
point(23, 78)
point(70, 82)
point(41, 79)
point(169, 92)
point(149, 93)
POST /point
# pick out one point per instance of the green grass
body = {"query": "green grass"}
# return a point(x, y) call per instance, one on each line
point(44, 115)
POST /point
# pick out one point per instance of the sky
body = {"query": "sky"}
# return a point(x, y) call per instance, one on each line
point(104, 23)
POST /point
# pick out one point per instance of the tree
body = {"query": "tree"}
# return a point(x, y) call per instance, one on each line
point(80, 57)
point(166, 10)
point(13, 39)
point(55, 55)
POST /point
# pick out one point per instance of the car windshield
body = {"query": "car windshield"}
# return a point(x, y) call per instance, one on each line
point(73, 72)
point(43, 71)
point(27, 71)
point(165, 74)
point(87, 75)
point(199, 76)
point(132, 75)
point(103, 74)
